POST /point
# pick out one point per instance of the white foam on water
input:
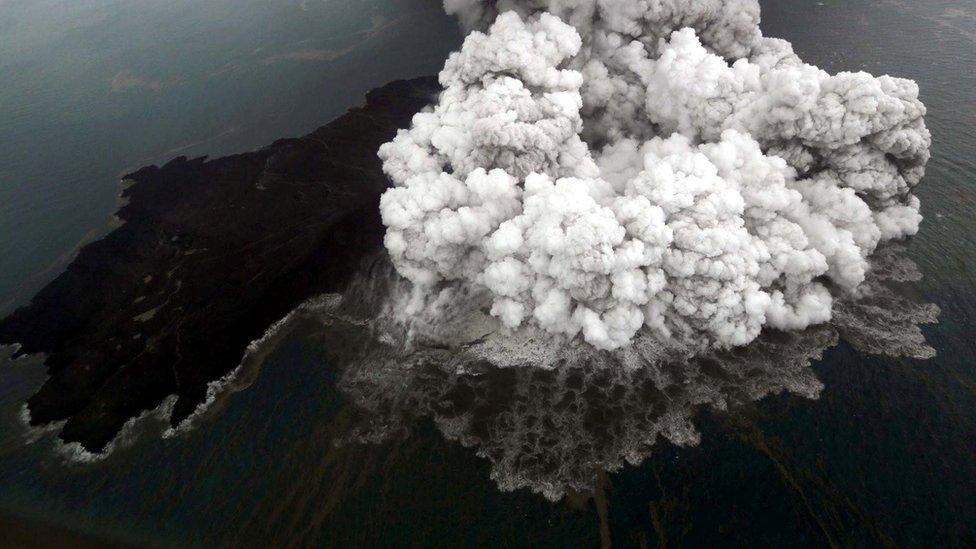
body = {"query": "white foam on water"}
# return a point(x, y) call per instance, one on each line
point(74, 452)
point(242, 376)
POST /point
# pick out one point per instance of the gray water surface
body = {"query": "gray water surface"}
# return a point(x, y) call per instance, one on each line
point(93, 89)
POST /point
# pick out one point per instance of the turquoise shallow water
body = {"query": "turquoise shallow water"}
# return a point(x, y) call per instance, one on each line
point(884, 455)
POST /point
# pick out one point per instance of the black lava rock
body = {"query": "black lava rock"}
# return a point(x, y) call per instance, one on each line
point(211, 253)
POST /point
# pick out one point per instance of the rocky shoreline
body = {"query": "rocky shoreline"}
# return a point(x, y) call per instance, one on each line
point(210, 254)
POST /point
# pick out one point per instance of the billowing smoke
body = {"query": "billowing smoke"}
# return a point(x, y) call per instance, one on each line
point(570, 411)
point(606, 167)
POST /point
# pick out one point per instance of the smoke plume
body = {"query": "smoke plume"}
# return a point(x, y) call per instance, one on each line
point(570, 411)
point(606, 167)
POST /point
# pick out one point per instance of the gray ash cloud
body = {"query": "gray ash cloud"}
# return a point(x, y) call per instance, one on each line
point(549, 414)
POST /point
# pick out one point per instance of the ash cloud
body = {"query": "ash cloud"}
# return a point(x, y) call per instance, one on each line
point(606, 168)
point(569, 410)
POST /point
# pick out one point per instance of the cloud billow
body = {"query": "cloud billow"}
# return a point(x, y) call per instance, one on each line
point(607, 167)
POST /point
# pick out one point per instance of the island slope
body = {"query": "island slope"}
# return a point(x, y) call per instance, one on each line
point(210, 254)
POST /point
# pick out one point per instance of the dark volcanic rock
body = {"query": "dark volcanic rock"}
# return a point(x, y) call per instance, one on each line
point(211, 253)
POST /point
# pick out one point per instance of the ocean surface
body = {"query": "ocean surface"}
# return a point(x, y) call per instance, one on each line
point(91, 89)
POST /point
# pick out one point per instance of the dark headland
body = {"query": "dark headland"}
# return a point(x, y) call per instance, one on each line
point(211, 253)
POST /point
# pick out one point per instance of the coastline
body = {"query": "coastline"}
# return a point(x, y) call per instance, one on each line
point(207, 255)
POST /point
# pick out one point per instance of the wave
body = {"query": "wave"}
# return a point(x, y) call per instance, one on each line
point(243, 376)
point(131, 432)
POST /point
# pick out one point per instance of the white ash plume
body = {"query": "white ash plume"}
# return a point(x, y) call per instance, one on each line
point(605, 167)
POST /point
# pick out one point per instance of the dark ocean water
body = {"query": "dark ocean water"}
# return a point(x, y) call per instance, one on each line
point(93, 89)
point(886, 454)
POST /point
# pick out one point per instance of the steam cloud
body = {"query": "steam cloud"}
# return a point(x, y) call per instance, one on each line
point(603, 167)
point(571, 410)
